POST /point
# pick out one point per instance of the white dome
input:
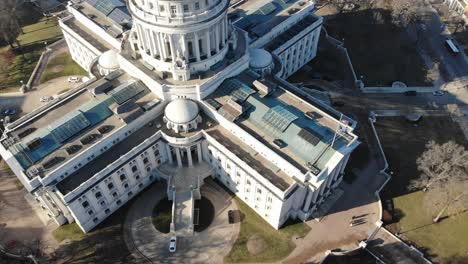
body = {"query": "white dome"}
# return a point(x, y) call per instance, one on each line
point(181, 111)
point(108, 60)
point(260, 58)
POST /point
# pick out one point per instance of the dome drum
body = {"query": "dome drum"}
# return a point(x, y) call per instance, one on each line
point(108, 62)
point(261, 61)
point(182, 115)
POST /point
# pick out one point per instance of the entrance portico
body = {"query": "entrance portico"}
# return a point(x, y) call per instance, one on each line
point(184, 156)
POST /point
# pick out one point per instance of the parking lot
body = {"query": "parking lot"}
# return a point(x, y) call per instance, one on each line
point(27, 102)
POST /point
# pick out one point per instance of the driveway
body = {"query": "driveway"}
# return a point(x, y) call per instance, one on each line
point(208, 246)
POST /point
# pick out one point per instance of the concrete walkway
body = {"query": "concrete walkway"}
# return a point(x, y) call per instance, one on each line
point(183, 214)
point(149, 245)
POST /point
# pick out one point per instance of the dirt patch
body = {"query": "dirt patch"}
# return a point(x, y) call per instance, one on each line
point(256, 245)
point(57, 68)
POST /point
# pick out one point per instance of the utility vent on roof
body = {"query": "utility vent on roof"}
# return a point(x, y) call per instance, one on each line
point(52, 162)
point(34, 144)
point(73, 149)
point(314, 169)
point(309, 135)
point(213, 103)
point(26, 132)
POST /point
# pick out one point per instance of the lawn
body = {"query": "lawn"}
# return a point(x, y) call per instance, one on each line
point(443, 240)
point(162, 216)
point(403, 142)
point(70, 231)
point(278, 242)
point(61, 65)
point(103, 244)
point(380, 51)
point(17, 64)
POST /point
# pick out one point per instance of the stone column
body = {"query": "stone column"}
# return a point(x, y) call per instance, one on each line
point(189, 156)
point(162, 44)
point(171, 45)
point(155, 43)
point(197, 46)
point(185, 47)
point(208, 44)
point(169, 154)
point(150, 40)
point(308, 200)
point(217, 40)
point(179, 159)
point(199, 152)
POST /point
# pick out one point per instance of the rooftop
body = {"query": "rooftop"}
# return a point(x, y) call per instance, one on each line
point(258, 17)
point(112, 154)
point(91, 37)
point(291, 32)
point(72, 123)
point(111, 15)
point(256, 161)
point(296, 130)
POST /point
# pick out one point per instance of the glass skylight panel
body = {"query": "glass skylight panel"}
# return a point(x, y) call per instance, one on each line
point(279, 117)
point(69, 126)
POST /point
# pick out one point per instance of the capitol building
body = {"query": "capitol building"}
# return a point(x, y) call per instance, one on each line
point(181, 91)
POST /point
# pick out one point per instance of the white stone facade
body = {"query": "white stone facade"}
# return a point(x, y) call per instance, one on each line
point(195, 44)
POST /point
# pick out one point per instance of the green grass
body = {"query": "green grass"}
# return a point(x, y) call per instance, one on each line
point(403, 143)
point(443, 240)
point(17, 65)
point(278, 242)
point(70, 67)
point(162, 216)
point(40, 32)
point(70, 231)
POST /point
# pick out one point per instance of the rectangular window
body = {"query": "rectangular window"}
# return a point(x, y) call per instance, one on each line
point(173, 10)
point(197, 6)
point(90, 212)
point(85, 204)
point(186, 9)
point(110, 186)
point(145, 160)
point(114, 194)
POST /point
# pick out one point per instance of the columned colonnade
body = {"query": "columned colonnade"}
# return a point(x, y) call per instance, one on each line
point(192, 46)
point(187, 150)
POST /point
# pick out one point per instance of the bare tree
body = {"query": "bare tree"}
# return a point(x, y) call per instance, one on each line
point(444, 178)
point(437, 163)
point(9, 26)
point(449, 196)
point(406, 12)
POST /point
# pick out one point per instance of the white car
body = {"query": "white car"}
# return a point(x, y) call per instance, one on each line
point(74, 79)
point(438, 93)
point(45, 99)
point(173, 244)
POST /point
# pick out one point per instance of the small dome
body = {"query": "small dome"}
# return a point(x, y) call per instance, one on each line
point(108, 60)
point(260, 58)
point(181, 111)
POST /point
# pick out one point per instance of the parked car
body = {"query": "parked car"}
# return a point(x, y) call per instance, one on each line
point(173, 244)
point(410, 93)
point(45, 99)
point(438, 93)
point(74, 79)
point(9, 112)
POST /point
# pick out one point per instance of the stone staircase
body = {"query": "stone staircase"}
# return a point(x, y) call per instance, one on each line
point(183, 214)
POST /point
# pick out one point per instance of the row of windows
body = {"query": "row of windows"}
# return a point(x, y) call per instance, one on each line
point(185, 8)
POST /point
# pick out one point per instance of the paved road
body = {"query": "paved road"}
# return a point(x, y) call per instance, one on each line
point(434, 33)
